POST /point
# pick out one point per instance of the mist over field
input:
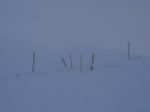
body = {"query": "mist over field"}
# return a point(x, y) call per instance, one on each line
point(74, 55)
point(63, 23)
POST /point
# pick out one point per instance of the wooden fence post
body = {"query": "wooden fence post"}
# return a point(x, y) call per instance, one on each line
point(92, 62)
point(33, 62)
point(129, 51)
point(81, 63)
point(64, 62)
point(70, 57)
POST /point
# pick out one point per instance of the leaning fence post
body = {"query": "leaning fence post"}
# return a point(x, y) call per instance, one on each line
point(64, 62)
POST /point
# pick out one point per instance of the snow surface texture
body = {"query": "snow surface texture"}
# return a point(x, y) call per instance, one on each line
point(115, 85)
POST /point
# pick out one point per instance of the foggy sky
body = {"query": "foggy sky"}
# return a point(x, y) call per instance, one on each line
point(63, 23)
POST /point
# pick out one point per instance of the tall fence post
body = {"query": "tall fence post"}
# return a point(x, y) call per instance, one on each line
point(81, 63)
point(33, 62)
point(70, 57)
point(92, 62)
point(129, 51)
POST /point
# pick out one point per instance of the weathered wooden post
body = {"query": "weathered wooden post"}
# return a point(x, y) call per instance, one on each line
point(129, 51)
point(33, 62)
point(81, 63)
point(92, 62)
point(64, 62)
point(70, 57)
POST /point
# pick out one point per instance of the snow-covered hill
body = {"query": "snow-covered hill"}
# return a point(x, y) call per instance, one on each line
point(115, 85)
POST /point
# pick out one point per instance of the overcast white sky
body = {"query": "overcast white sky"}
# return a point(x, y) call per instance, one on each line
point(60, 23)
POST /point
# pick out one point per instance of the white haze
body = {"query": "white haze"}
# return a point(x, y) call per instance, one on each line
point(64, 23)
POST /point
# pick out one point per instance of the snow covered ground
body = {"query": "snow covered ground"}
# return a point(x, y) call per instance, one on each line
point(115, 85)
point(51, 28)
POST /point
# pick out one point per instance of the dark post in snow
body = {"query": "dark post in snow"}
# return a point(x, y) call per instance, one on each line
point(70, 57)
point(128, 50)
point(92, 62)
point(64, 62)
point(33, 62)
point(81, 63)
